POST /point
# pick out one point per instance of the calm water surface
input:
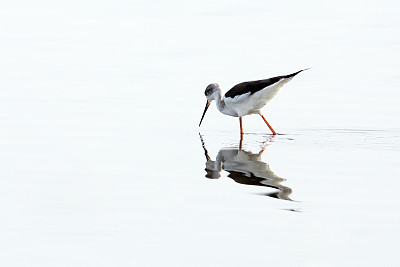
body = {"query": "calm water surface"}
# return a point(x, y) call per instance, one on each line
point(102, 162)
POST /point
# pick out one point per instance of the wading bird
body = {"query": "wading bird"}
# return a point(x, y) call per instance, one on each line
point(246, 98)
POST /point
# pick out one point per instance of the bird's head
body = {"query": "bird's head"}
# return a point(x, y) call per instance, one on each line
point(211, 93)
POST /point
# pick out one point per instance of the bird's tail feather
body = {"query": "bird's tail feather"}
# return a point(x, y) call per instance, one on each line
point(294, 74)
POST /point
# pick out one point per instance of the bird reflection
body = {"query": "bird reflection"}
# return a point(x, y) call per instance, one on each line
point(247, 168)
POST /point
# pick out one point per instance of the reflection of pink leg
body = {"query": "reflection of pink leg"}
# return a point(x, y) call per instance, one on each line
point(262, 150)
point(269, 126)
point(240, 142)
point(265, 144)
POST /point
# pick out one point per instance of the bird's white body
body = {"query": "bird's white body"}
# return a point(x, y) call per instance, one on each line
point(247, 104)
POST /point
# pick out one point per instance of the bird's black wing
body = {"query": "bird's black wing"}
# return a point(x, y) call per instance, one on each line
point(255, 86)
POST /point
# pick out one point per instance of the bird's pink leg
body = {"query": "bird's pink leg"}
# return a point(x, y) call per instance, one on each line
point(241, 127)
point(269, 126)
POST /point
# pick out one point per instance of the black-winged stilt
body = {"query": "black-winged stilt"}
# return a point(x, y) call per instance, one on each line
point(246, 98)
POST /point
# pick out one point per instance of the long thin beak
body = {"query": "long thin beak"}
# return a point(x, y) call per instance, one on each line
point(204, 113)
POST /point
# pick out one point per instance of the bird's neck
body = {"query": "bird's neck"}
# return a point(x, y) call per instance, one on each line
point(219, 102)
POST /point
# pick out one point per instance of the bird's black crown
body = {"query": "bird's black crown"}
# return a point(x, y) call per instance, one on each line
point(210, 89)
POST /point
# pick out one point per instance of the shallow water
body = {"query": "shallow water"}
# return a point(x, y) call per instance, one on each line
point(103, 163)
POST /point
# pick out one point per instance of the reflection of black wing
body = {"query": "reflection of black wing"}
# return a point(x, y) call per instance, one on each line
point(247, 168)
point(244, 178)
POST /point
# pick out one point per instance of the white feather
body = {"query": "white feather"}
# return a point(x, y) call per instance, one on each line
point(247, 103)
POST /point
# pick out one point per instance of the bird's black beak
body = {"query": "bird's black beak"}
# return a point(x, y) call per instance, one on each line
point(204, 113)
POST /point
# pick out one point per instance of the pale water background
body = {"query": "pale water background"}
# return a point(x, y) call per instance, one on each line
point(101, 160)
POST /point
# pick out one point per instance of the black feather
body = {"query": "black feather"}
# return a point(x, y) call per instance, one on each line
point(255, 86)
